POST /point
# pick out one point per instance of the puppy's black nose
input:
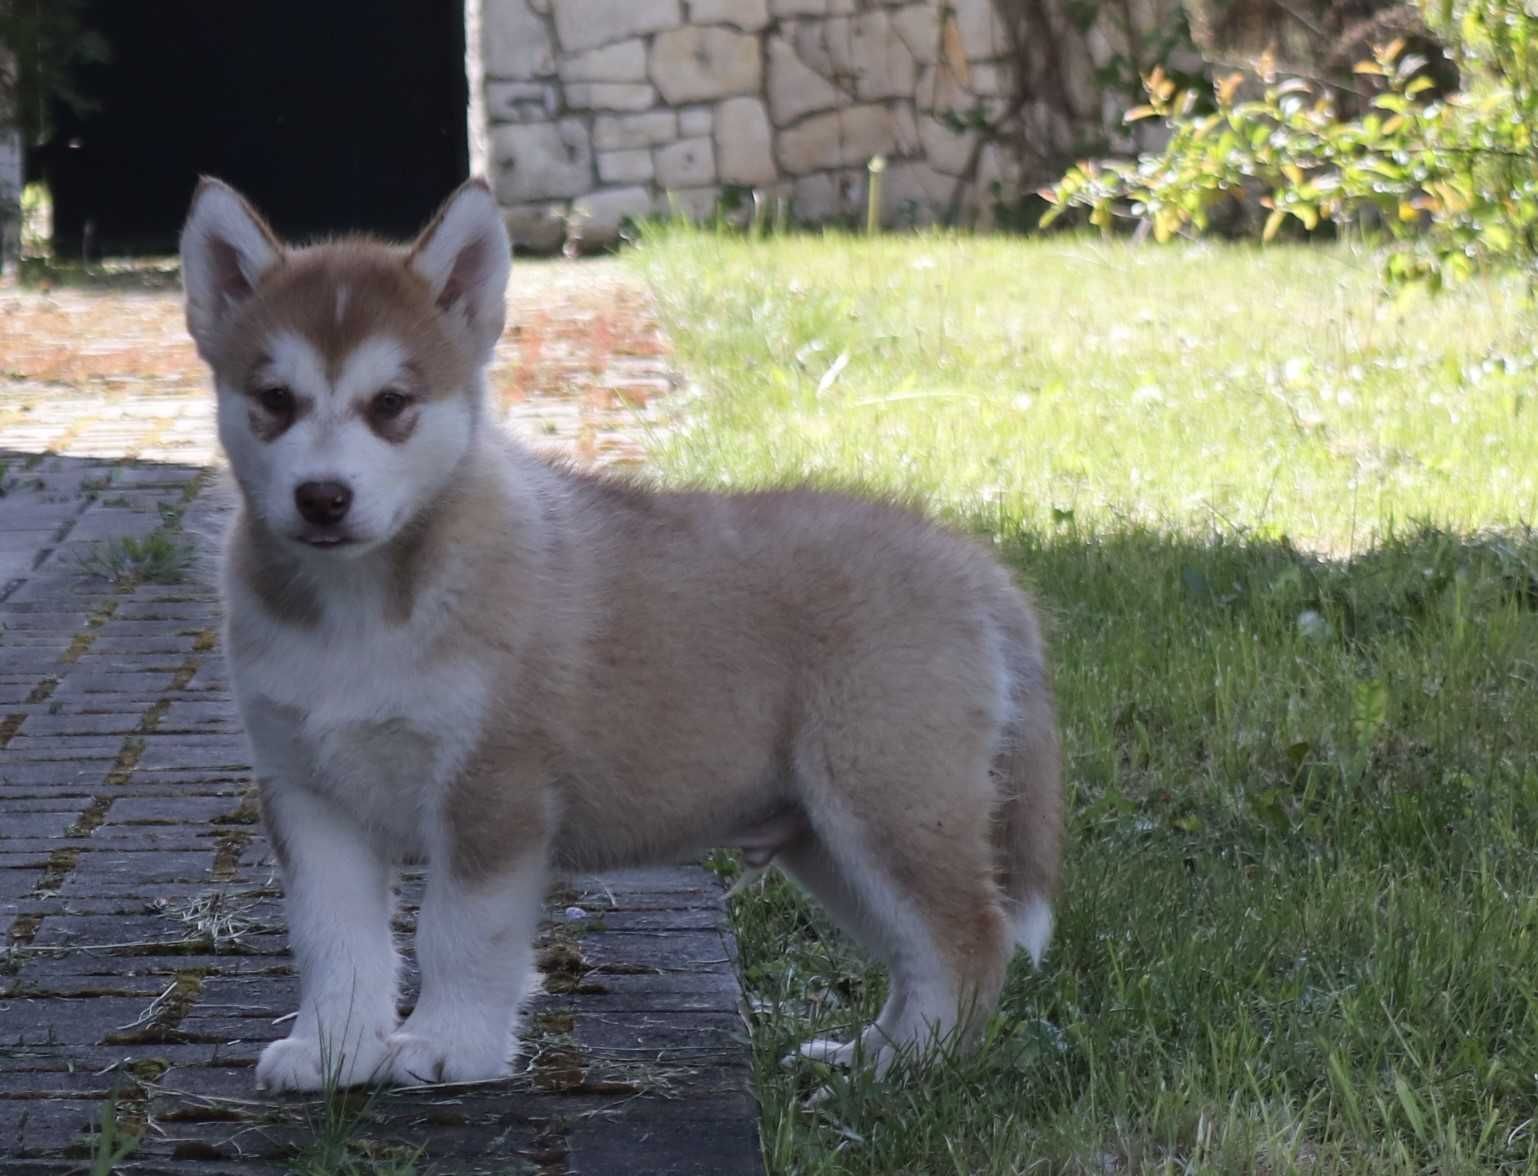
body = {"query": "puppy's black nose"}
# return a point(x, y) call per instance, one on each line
point(323, 503)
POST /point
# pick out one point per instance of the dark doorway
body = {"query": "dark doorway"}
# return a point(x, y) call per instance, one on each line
point(328, 114)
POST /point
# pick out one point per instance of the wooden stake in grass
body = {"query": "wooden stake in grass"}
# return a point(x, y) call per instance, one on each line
point(876, 166)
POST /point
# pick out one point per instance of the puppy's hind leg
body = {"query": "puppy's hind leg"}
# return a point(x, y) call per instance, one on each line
point(829, 880)
point(926, 906)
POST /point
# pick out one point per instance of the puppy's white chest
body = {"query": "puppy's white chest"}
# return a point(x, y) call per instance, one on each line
point(368, 718)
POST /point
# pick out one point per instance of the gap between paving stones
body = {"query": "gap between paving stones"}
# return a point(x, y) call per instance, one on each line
point(144, 959)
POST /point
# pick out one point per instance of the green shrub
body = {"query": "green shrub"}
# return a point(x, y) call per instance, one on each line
point(1452, 180)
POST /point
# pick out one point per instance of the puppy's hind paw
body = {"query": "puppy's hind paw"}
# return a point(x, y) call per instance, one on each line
point(868, 1049)
point(826, 1051)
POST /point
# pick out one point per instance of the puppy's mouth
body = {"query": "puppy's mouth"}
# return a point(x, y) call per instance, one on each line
point(325, 540)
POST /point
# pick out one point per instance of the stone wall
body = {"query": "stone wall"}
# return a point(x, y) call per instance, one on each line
point(619, 108)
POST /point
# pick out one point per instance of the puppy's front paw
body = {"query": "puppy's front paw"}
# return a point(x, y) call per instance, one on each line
point(300, 1063)
point(419, 1055)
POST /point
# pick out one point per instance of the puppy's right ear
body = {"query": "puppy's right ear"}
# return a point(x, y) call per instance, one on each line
point(226, 249)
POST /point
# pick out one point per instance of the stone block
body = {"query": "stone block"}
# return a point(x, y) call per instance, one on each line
point(914, 193)
point(588, 24)
point(744, 143)
point(520, 102)
point(822, 197)
point(946, 149)
point(632, 166)
point(879, 59)
point(939, 88)
point(795, 88)
point(541, 160)
point(610, 96)
point(694, 121)
point(603, 212)
point(693, 64)
point(747, 15)
point(78, 724)
point(861, 54)
point(37, 825)
point(842, 138)
point(624, 61)
point(725, 1146)
point(919, 27)
point(688, 163)
point(983, 34)
point(613, 132)
point(990, 80)
point(160, 753)
point(515, 42)
point(811, 7)
point(535, 228)
point(694, 203)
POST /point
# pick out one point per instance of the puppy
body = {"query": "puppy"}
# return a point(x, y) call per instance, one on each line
point(447, 651)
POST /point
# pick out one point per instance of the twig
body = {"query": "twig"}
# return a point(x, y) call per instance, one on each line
point(148, 1014)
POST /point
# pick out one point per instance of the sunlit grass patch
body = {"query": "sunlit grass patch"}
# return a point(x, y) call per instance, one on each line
point(1272, 391)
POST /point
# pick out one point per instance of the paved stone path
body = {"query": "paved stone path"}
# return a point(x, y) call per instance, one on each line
point(144, 962)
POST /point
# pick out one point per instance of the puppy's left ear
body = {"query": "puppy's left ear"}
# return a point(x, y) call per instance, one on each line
point(464, 256)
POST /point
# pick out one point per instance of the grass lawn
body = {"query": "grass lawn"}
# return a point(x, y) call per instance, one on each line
point(1277, 526)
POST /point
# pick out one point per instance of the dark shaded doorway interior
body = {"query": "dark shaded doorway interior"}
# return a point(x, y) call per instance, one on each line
point(328, 115)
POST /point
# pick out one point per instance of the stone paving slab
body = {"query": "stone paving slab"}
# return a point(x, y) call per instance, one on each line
point(144, 957)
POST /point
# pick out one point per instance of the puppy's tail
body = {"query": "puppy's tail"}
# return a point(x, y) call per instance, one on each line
point(1028, 827)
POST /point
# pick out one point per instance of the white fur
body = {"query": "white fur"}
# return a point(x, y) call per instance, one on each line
point(374, 364)
point(357, 736)
point(923, 1005)
point(332, 689)
point(1033, 929)
point(476, 952)
point(331, 441)
point(337, 897)
point(219, 221)
point(294, 362)
point(355, 733)
point(469, 246)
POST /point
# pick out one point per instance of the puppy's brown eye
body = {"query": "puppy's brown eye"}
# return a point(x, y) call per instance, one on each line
point(389, 404)
point(277, 400)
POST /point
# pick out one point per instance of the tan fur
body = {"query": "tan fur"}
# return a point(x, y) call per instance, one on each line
point(384, 297)
point(834, 684)
point(675, 669)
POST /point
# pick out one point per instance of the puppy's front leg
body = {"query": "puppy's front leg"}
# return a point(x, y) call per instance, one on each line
point(475, 949)
point(337, 893)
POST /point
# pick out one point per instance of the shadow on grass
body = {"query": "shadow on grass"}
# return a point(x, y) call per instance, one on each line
point(1296, 930)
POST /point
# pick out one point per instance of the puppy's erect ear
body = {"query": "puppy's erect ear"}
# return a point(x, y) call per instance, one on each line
point(226, 248)
point(464, 257)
